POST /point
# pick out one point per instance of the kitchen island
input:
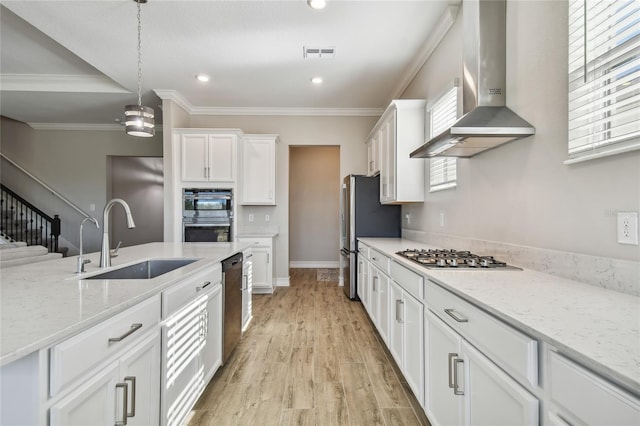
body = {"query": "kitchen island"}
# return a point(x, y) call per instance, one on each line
point(50, 315)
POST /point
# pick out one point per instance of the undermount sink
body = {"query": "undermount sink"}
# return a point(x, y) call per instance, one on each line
point(143, 270)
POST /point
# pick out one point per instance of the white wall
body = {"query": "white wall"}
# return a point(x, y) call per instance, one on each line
point(522, 193)
point(74, 163)
point(348, 133)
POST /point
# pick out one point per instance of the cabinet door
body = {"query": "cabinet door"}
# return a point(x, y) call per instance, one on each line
point(363, 276)
point(194, 157)
point(374, 297)
point(211, 335)
point(140, 371)
point(261, 268)
point(441, 405)
point(258, 171)
point(389, 135)
point(395, 322)
point(383, 306)
point(413, 345)
point(494, 398)
point(222, 158)
point(93, 403)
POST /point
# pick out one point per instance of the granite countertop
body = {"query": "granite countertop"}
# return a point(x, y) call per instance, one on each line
point(598, 327)
point(46, 302)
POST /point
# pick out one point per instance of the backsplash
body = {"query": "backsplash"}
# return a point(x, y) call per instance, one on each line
point(613, 274)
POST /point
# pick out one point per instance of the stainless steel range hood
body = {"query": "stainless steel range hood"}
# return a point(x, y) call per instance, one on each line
point(486, 122)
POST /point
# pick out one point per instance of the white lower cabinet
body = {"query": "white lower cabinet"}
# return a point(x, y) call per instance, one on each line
point(581, 397)
point(363, 284)
point(124, 392)
point(191, 344)
point(465, 387)
point(90, 404)
point(379, 301)
point(110, 373)
point(406, 336)
point(262, 263)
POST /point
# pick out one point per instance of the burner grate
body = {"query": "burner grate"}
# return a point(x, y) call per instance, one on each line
point(452, 259)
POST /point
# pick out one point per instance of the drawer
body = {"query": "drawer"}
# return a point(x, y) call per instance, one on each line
point(380, 260)
point(412, 282)
point(509, 348)
point(588, 397)
point(363, 250)
point(77, 355)
point(257, 241)
point(179, 295)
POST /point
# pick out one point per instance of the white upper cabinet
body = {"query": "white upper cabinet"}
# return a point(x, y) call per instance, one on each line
point(258, 170)
point(373, 156)
point(399, 131)
point(208, 155)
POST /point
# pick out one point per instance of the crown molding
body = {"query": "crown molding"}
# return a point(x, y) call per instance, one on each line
point(82, 127)
point(60, 83)
point(435, 37)
point(181, 101)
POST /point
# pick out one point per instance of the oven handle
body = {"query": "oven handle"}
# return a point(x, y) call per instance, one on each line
point(201, 224)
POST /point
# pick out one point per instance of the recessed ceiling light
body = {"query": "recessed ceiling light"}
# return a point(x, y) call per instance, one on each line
point(317, 4)
point(316, 80)
point(202, 77)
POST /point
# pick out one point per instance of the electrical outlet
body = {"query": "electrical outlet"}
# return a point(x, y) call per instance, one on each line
point(628, 228)
point(267, 218)
point(442, 219)
point(251, 217)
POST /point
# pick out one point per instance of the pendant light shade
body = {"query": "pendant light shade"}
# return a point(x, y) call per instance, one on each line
point(139, 119)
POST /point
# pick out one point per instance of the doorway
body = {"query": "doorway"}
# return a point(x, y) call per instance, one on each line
point(140, 182)
point(314, 206)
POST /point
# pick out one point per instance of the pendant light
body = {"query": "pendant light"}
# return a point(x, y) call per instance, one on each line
point(139, 119)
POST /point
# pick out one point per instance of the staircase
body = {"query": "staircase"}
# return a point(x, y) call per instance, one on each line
point(26, 231)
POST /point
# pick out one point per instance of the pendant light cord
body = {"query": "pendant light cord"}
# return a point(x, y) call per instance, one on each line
point(139, 56)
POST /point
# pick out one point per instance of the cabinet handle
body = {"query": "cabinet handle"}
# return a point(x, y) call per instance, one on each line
point(375, 279)
point(451, 381)
point(456, 389)
point(133, 329)
point(454, 316)
point(374, 258)
point(132, 379)
point(268, 258)
point(125, 398)
point(203, 286)
point(399, 319)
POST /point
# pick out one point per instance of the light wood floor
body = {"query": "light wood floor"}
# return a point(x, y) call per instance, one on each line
point(309, 357)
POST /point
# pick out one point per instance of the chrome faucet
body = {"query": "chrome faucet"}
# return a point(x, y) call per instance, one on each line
point(105, 254)
point(81, 260)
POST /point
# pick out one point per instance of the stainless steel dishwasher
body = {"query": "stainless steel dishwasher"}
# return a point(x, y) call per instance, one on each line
point(232, 287)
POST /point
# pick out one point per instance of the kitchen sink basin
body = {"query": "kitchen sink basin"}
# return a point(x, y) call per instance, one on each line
point(143, 270)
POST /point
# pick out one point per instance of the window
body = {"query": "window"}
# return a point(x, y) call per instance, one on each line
point(443, 113)
point(604, 78)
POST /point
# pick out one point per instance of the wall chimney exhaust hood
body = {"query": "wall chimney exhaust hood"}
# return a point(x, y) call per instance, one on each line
point(486, 122)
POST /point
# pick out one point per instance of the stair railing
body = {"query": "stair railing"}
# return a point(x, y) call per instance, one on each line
point(47, 187)
point(22, 221)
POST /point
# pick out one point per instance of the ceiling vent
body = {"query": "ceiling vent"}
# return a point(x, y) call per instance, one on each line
point(309, 52)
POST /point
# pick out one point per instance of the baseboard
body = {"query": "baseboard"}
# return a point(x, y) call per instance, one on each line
point(282, 282)
point(305, 264)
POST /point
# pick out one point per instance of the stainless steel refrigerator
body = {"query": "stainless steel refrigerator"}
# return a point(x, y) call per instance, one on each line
point(362, 215)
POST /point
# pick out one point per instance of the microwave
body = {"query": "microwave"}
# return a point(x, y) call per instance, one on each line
point(207, 203)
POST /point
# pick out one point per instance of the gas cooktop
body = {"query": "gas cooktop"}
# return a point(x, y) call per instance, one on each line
point(454, 259)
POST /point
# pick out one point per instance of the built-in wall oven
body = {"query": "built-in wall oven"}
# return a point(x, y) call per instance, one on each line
point(207, 215)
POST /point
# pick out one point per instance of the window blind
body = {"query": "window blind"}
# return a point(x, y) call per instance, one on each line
point(443, 113)
point(604, 77)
